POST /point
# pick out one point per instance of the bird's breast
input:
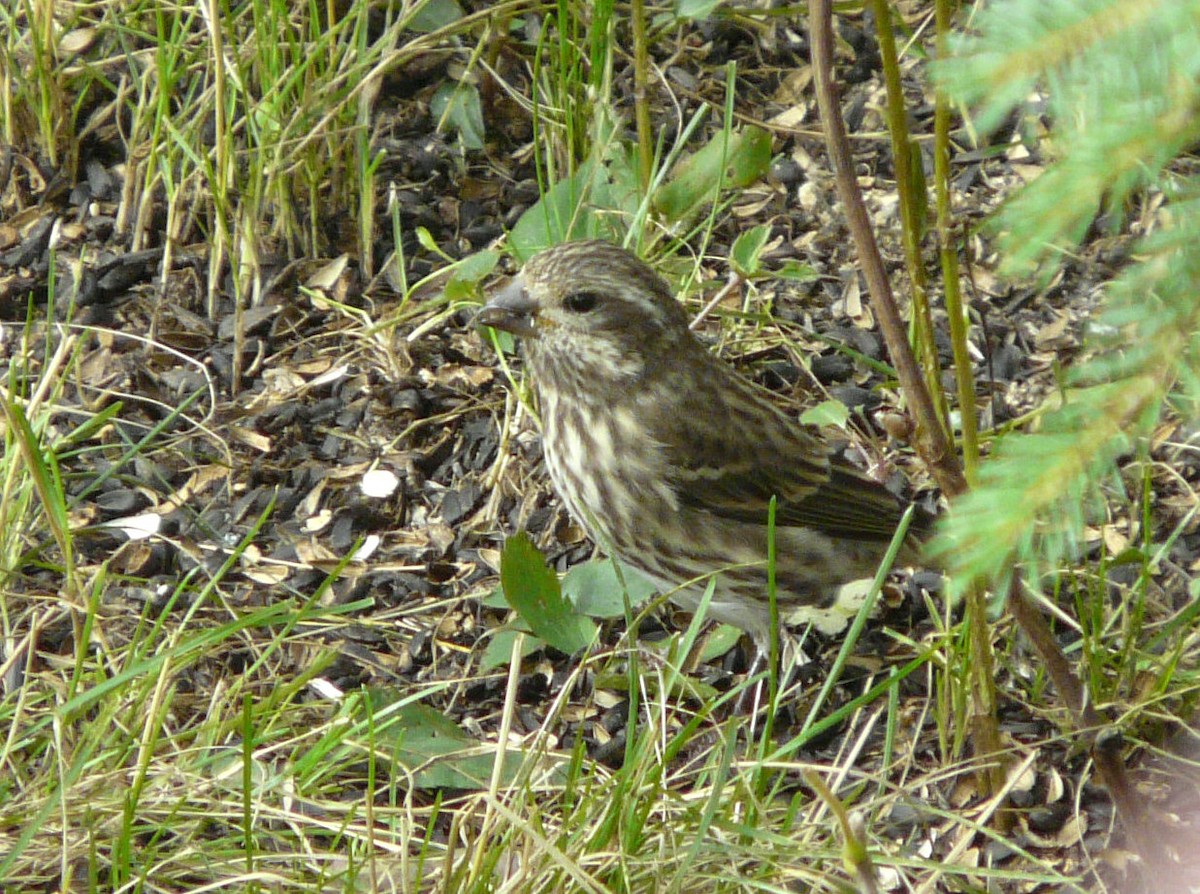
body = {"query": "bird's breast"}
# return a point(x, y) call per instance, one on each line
point(606, 470)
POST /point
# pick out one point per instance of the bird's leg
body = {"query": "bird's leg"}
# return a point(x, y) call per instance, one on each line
point(753, 699)
point(752, 696)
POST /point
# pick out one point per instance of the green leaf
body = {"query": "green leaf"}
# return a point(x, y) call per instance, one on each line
point(475, 267)
point(435, 749)
point(752, 159)
point(551, 219)
point(498, 651)
point(533, 591)
point(795, 271)
point(596, 589)
point(435, 14)
point(623, 191)
point(694, 181)
point(458, 104)
point(494, 599)
point(594, 202)
point(427, 242)
point(747, 250)
point(695, 9)
point(723, 638)
point(566, 211)
point(827, 412)
point(505, 341)
point(466, 274)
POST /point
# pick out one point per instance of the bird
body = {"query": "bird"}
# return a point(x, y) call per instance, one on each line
point(669, 457)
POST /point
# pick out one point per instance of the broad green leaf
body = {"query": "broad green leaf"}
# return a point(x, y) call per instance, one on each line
point(551, 219)
point(495, 599)
point(723, 638)
point(427, 242)
point(435, 749)
point(475, 267)
point(596, 590)
point(745, 255)
point(506, 341)
point(752, 159)
point(498, 651)
point(795, 271)
point(533, 591)
point(592, 203)
point(458, 104)
point(827, 412)
point(435, 14)
point(694, 181)
point(567, 211)
point(695, 9)
point(466, 274)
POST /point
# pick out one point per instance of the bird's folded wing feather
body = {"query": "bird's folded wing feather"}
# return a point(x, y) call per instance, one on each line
point(733, 471)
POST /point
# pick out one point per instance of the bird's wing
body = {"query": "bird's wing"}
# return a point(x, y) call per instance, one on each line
point(729, 459)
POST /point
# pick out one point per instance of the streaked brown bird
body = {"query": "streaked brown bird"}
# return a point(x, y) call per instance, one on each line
point(669, 458)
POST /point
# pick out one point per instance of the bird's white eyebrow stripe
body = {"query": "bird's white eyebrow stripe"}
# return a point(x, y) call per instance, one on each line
point(605, 267)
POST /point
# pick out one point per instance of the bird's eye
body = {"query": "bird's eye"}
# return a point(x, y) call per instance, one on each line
point(581, 302)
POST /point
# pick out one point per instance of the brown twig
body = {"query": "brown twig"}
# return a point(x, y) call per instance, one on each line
point(931, 442)
point(935, 449)
point(1109, 764)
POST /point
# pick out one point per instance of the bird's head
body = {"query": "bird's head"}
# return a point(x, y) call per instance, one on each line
point(590, 314)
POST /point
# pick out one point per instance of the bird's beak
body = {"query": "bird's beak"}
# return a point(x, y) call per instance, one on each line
point(510, 309)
